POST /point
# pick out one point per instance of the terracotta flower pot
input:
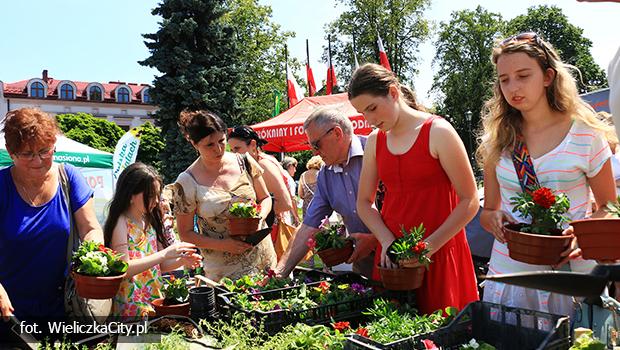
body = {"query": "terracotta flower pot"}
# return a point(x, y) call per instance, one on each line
point(533, 248)
point(402, 278)
point(598, 238)
point(94, 287)
point(243, 226)
point(163, 310)
point(334, 256)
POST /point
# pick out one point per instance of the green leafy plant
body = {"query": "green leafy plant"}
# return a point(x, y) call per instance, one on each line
point(175, 291)
point(546, 210)
point(244, 210)
point(410, 246)
point(613, 208)
point(255, 283)
point(329, 236)
point(587, 341)
point(95, 259)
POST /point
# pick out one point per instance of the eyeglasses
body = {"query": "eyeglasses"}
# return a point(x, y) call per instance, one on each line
point(316, 144)
point(527, 36)
point(45, 154)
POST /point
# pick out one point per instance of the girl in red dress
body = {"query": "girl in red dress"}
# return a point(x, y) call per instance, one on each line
point(428, 178)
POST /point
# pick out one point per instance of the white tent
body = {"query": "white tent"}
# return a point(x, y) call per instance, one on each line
point(95, 166)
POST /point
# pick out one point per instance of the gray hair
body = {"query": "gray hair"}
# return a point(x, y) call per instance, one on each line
point(325, 117)
point(288, 161)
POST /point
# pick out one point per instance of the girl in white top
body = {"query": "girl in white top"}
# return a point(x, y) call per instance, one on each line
point(536, 97)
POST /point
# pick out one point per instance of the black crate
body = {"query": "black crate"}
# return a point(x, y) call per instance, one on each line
point(274, 320)
point(506, 328)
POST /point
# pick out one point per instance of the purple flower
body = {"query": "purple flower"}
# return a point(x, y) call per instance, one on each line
point(307, 280)
point(342, 230)
point(358, 288)
point(277, 307)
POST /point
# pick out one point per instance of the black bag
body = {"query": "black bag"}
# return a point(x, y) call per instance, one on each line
point(75, 306)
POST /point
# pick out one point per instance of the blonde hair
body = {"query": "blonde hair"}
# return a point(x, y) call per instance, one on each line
point(502, 123)
point(610, 135)
point(316, 162)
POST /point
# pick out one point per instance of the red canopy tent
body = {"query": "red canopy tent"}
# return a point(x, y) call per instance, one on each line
point(285, 132)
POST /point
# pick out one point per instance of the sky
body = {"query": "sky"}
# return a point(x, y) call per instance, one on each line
point(101, 40)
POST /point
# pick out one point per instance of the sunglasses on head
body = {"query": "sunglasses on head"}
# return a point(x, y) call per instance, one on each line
point(527, 37)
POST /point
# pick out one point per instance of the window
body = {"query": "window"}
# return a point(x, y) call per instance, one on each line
point(95, 93)
point(37, 90)
point(66, 92)
point(146, 96)
point(122, 95)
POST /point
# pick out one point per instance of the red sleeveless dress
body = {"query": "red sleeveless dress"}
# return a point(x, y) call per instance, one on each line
point(418, 190)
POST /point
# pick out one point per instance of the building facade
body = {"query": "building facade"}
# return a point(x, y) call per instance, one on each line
point(126, 104)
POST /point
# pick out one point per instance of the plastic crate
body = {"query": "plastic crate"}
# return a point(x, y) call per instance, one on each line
point(506, 328)
point(273, 321)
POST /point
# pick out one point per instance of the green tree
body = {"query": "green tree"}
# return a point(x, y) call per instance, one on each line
point(151, 144)
point(92, 131)
point(261, 50)
point(197, 54)
point(551, 23)
point(401, 25)
point(465, 73)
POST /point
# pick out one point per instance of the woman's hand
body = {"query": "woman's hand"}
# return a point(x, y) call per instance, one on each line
point(6, 309)
point(493, 221)
point(385, 260)
point(233, 246)
point(179, 250)
point(192, 261)
point(571, 252)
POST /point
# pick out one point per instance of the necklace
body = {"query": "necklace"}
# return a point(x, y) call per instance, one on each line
point(30, 199)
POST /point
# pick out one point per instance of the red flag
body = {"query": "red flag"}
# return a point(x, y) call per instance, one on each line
point(382, 55)
point(311, 83)
point(331, 80)
point(294, 91)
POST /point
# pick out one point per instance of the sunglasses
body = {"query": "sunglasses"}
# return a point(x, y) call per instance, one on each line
point(316, 144)
point(527, 37)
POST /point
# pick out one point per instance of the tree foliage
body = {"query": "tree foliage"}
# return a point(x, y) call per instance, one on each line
point(465, 72)
point(197, 54)
point(151, 144)
point(551, 23)
point(400, 23)
point(261, 52)
point(92, 131)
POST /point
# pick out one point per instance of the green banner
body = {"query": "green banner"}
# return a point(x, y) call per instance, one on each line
point(82, 160)
point(277, 99)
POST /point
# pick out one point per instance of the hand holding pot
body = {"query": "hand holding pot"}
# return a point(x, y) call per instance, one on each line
point(493, 221)
point(385, 259)
point(178, 250)
point(572, 251)
point(365, 243)
point(6, 309)
point(233, 246)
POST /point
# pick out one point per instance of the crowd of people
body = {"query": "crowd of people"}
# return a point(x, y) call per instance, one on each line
point(418, 158)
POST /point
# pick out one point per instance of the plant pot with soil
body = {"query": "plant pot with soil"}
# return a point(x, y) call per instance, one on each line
point(410, 252)
point(244, 218)
point(599, 239)
point(175, 299)
point(331, 243)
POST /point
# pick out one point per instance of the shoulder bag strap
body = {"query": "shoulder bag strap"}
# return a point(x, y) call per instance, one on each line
point(66, 188)
point(524, 167)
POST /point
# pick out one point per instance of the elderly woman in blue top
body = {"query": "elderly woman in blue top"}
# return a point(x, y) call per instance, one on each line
point(35, 218)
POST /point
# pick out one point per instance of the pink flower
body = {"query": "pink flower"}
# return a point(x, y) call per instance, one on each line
point(325, 223)
point(429, 345)
point(311, 243)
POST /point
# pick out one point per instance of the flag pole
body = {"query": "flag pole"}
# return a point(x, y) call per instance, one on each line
point(308, 67)
point(330, 69)
point(288, 98)
point(355, 63)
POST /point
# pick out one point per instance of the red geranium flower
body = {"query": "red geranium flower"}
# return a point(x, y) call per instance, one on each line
point(429, 345)
point(362, 331)
point(543, 197)
point(341, 326)
point(324, 286)
point(419, 248)
point(311, 243)
point(271, 273)
point(101, 248)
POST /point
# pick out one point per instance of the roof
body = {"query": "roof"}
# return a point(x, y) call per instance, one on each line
point(19, 89)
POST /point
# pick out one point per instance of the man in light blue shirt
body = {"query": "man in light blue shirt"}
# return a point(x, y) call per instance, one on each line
point(330, 134)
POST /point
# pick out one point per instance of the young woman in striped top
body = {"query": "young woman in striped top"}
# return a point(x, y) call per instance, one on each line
point(536, 97)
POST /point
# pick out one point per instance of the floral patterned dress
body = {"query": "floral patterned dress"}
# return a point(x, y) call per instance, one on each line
point(210, 205)
point(136, 293)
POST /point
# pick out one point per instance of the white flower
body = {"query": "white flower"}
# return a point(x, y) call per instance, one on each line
point(473, 344)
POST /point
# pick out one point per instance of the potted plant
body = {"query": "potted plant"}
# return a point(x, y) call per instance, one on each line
point(599, 238)
point(410, 252)
point(97, 271)
point(175, 299)
point(244, 218)
point(540, 242)
point(331, 243)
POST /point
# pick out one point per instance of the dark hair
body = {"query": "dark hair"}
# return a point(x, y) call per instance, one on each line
point(247, 134)
point(196, 125)
point(375, 79)
point(135, 179)
point(28, 126)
